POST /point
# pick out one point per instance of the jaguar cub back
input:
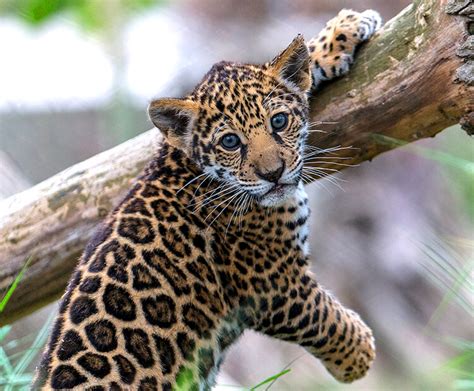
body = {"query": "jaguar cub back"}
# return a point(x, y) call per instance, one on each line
point(212, 239)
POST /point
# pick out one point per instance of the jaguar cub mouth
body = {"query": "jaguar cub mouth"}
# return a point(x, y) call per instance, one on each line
point(278, 194)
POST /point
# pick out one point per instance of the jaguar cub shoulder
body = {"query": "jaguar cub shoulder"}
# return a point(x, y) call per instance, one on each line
point(212, 239)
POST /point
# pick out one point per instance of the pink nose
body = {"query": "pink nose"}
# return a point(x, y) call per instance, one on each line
point(273, 175)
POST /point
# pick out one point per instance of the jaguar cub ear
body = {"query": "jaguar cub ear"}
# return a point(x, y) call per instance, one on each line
point(174, 118)
point(293, 64)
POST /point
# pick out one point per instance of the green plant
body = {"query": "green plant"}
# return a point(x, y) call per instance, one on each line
point(14, 367)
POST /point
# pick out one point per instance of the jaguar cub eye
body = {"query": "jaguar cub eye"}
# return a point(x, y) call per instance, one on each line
point(230, 141)
point(279, 121)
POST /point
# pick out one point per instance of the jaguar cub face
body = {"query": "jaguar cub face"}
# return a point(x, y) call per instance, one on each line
point(245, 124)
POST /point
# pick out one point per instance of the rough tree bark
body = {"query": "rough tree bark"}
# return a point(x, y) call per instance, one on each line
point(411, 81)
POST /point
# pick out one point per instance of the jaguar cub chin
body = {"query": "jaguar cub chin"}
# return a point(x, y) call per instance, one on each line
point(212, 239)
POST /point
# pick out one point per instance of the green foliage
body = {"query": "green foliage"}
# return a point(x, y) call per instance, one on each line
point(90, 14)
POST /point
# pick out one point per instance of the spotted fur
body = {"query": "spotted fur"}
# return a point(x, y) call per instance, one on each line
point(211, 241)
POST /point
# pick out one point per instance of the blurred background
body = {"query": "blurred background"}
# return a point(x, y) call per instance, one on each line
point(394, 240)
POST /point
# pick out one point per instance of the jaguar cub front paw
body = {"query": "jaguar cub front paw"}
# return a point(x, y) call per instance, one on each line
point(352, 361)
point(332, 51)
point(369, 23)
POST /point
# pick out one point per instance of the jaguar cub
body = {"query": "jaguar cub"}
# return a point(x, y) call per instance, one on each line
point(212, 239)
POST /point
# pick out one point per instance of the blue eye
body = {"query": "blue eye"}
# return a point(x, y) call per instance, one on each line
point(279, 121)
point(230, 141)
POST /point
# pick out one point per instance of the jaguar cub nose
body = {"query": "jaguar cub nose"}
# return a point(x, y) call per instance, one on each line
point(271, 176)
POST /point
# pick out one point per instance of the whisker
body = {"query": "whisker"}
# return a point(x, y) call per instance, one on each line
point(191, 181)
point(279, 97)
point(228, 201)
point(317, 123)
point(205, 179)
point(247, 206)
point(312, 179)
point(330, 176)
point(222, 193)
point(320, 168)
point(331, 163)
point(335, 157)
point(210, 193)
point(226, 193)
point(312, 147)
point(281, 83)
point(222, 185)
point(326, 151)
point(320, 180)
point(223, 189)
point(321, 174)
point(224, 124)
point(330, 149)
point(236, 208)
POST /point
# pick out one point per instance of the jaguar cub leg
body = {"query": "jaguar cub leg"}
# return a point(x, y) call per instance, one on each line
point(314, 319)
point(332, 51)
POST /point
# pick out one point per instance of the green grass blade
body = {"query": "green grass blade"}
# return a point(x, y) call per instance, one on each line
point(21, 341)
point(5, 365)
point(271, 379)
point(30, 353)
point(4, 332)
point(17, 382)
point(13, 286)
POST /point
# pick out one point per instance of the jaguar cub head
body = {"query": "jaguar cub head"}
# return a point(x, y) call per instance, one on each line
point(245, 124)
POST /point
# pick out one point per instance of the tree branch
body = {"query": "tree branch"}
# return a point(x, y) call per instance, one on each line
point(408, 83)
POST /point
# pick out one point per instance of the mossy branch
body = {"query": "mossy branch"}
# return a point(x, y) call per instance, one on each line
point(411, 81)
